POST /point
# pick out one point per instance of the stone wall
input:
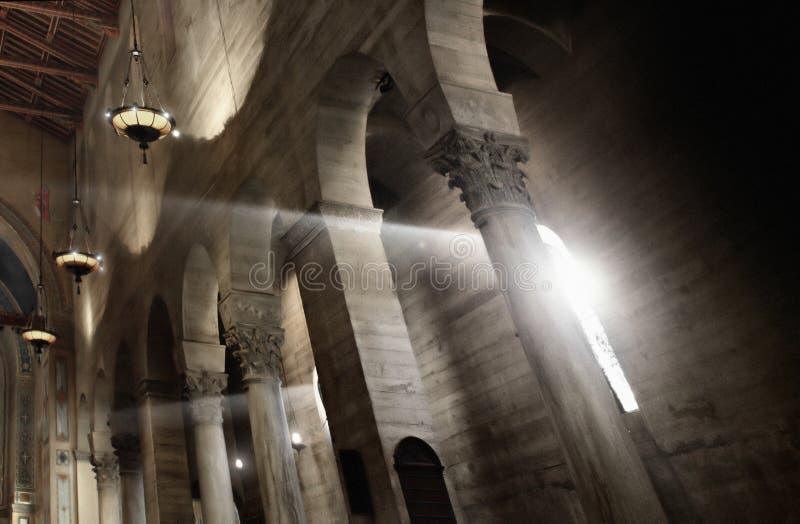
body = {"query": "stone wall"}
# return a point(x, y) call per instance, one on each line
point(700, 323)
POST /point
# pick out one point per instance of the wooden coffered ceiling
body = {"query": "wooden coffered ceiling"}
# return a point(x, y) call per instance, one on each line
point(48, 58)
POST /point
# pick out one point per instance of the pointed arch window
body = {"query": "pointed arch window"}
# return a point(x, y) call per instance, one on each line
point(579, 288)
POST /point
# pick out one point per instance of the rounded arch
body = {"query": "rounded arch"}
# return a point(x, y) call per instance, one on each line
point(160, 361)
point(199, 297)
point(102, 401)
point(24, 242)
point(84, 422)
point(123, 406)
point(252, 242)
point(414, 451)
point(348, 94)
point(422, 481)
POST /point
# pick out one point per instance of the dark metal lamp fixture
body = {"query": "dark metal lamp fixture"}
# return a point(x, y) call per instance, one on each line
point(144, 118)
point(78, 258)
point(36, 332)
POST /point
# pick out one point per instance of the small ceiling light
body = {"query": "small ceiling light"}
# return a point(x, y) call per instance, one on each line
point(142, 123)
point(176, 133)
point(36, 333)
point(238, 463)
point(79, 262)
point(297, 442)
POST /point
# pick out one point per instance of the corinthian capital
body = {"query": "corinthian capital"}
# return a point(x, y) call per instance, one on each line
point(257, 349)
point(204, 389)
point(483, 166)
point(106, 469)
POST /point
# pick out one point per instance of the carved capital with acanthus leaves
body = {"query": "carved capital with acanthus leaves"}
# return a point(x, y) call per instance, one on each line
point(204, 389)
point(258, 351)
point(106, 469)
point(483, 165)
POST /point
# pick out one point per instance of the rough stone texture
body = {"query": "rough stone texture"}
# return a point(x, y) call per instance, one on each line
point(700, 283)
point(482, 393)
point(323, 498)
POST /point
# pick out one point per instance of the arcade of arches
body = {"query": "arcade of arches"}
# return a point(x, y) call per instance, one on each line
point(409, 261)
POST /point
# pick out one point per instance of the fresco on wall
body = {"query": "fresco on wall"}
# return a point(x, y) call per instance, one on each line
point(25, 434)
point(63, 499)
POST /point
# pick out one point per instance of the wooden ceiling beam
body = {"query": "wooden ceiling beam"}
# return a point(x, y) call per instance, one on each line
point(8, 318)
point(41, 44)
point(83, 76)
point(108, 24)
point(33, 89)
point(23, 109)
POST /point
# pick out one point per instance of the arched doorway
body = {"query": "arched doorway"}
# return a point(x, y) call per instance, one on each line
point(422, 481)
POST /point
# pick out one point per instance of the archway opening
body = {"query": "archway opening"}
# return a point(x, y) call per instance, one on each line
point(422, 480)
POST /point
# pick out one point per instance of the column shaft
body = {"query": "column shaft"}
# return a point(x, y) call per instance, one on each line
point(131, 482)
point(212, 456)
point(105, 468)
point(609, 475)
point(132, 495)
point(277, 472)
point(258, 352)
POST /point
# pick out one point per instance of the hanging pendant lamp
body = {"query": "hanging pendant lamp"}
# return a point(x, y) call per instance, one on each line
point(143, 119)
point(36, 333)
point(78, 258)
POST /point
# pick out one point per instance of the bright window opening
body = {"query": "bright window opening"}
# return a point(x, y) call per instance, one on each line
point(582, 287)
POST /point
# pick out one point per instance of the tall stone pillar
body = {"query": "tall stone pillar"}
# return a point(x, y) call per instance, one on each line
point(131, 483)
point(107, 473)
point(165, 468)
point(370, 380)
point(204, 389)
point(609, 475)
point(258, 352)
point(88, 503)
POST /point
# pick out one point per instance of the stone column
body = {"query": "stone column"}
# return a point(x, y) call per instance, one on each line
point(107, 473)
point(258, 352)
point(205, 404)
point(609, 475)
point(128, 451)
point(87, 500)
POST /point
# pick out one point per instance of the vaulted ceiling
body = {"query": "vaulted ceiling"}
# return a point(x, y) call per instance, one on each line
point(48, 58)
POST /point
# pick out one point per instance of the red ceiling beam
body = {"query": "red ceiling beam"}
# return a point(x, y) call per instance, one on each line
point(108, 24)
point(41, 44)
point(39, 111)
point(84, 76)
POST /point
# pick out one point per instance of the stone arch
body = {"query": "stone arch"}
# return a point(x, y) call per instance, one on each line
point(199, 298)
point(444, 71)
point(161, 419)
point(348, 94)
point(102, 402)
point(548, 17)
point(84, 422)
point(24, 242)
point(160, 362)
point(124, 419)
point(420, 470)
point(254, 258)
